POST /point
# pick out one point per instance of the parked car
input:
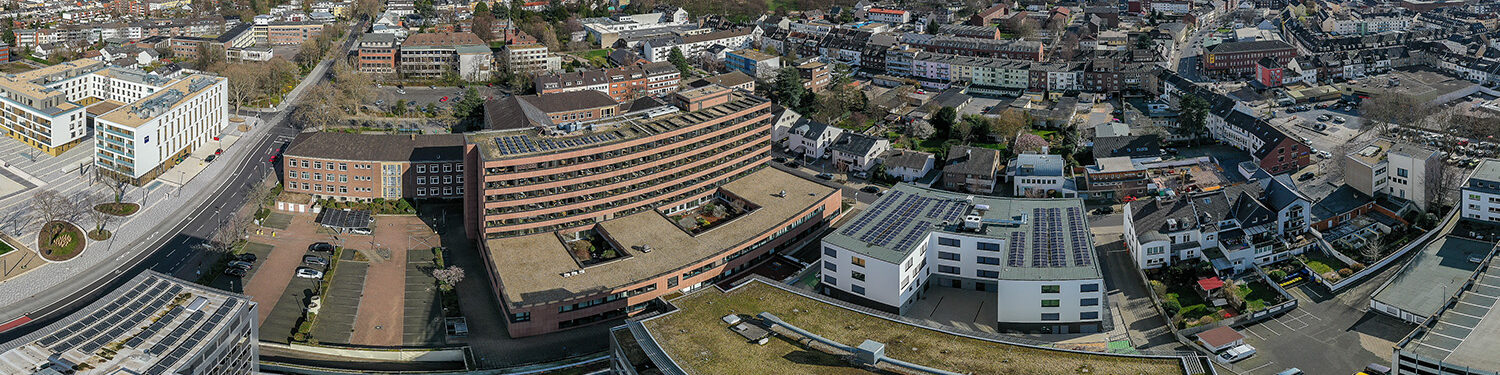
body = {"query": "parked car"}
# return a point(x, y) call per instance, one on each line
point(870, 189)
point(308, 273)
point(793, 164)
point(321, 246)
point(1324, 154)
point(210, 158)
point(1235, 354)
point(401, 91)
point(236, 272)
point(1324, 117)
point(1375, 369)
point(1305, 176)
point(241, 265)
point(779, 159)
point(825, 176)
point(444, 99)
point(1338, 119)
point(1291, 371)
point(314, 260)
point(1320, 127)
point(364, 231)
point(245, 257)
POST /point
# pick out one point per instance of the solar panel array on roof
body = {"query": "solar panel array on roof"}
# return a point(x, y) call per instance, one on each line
point(1016, 253)
point(904, 214)
point(1079, 241)
point(520, 144)
point(938, 209)
point(871, 214)
point(1046, 239)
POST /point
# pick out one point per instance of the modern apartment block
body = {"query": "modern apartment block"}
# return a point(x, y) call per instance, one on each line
point(432, 55)
point(137, 141)
point(530, 58)
point(1481, 192)
point(628, 181)
point(815, 75)
point(757, 64)
point(152, 324)
point(1036, 255)
point(377, 54)
point(37, 113)
point(1398, 169)
point(623, 83)
point(365, 167)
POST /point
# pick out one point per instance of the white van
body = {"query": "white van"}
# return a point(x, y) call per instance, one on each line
point(1235, 354)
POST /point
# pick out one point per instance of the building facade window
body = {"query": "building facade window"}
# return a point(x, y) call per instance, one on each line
point(1051, 289)
point(1051, 303)
point(947, 255)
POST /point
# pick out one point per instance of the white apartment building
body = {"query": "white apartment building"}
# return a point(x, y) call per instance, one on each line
point(854, 152)
point(1171, 7)
point(1040, 176)
point(1481, 193)
point(39, 105)
point(1035, 255)
point(139, 141)
point(695, 45)
point(532, 57)
point(812, 139)
point(1235, 228)
point(1353, 23)
point(1397, 169)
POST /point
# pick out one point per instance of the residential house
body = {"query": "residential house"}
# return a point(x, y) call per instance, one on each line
point(971, 169)
point(907, 165)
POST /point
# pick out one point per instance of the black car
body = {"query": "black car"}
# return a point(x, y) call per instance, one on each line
point(793, 164)
point(870, 189)
point(245, 257)
point(1305, 176)
point(825, 176)
point(235, 271)
point(321, 246)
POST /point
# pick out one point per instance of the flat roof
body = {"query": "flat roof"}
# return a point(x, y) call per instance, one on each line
point(504, 144)
point(26, 83)
point(894, 226)
point(530, 267)
point(1467, 333)
point(1433, 276)
point(160, 102)
point(1488, 169)
point(696, 338)
point(158, 322)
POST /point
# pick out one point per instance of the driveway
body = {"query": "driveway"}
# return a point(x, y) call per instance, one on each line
point(1144, 326)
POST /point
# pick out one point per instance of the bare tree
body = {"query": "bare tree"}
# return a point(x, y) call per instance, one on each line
point(1444, 183)
point(245, 81)
point(1373, 250)
point(319, 108)
point(1398, 109)
point(230, 231)
point(99, 217)
point(53, 206)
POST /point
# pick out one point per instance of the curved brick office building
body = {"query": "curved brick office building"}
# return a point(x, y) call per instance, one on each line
point(587, 209)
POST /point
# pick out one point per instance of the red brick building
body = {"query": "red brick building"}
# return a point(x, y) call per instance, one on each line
point(377, 54)
point(629, 185)
point(363, 167)
point(1239, 58)
point(1268, 72)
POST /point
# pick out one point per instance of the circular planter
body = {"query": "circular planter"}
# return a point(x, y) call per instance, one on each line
point(60, 241)
point(99, 235)
point(119, 209)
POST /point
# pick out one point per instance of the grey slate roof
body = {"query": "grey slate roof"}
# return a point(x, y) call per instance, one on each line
point(377, 147)
point(906, 158)
point(1342, 200)
point(854, 143)
point(524, 112)
point(971, 160)
point(1028, 165)
point(1135, 146)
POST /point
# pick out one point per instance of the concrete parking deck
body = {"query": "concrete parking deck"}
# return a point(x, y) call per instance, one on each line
point(341, 304)
point(423, 324)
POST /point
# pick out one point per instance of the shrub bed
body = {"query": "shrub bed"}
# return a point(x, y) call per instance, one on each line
point(60, 240)
point(119, 209)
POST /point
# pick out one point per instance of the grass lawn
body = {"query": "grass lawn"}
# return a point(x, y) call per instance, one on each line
point(1322, 264)
point(773, 5)
point(1043, 133)
point(697, 339)
point(5, 248)
point(1258, 296)
point(993, 146)
point(1193, 306)
point(48, 241)
point(119, 209)
point(931, 146)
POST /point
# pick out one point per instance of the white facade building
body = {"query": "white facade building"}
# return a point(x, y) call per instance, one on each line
point(1481, 193)
point(139, 141)
point(1040, 176)
point(811, 138)
point(914, 238)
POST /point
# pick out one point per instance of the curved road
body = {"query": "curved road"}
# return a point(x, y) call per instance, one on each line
point(175, 238)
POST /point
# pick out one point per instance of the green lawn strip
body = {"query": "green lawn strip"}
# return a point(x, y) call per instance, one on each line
point(5, 248)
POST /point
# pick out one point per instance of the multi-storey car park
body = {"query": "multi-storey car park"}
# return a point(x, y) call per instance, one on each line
point(153, 324)
point(1036, 255)
point(584, 217)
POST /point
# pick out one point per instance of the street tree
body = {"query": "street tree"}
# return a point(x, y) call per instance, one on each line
point(245, 81)
point(99, 217)
point(450, 276)
point(318, 109)
point(50, 205)
point(788, 90)
point(677, 59)
point(1393, 108)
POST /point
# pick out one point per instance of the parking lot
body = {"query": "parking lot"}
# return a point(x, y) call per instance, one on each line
point(386, 95)
point(1302, 124)
point(1325, 334)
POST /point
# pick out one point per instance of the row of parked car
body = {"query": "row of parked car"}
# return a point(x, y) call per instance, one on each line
point(243, 263)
